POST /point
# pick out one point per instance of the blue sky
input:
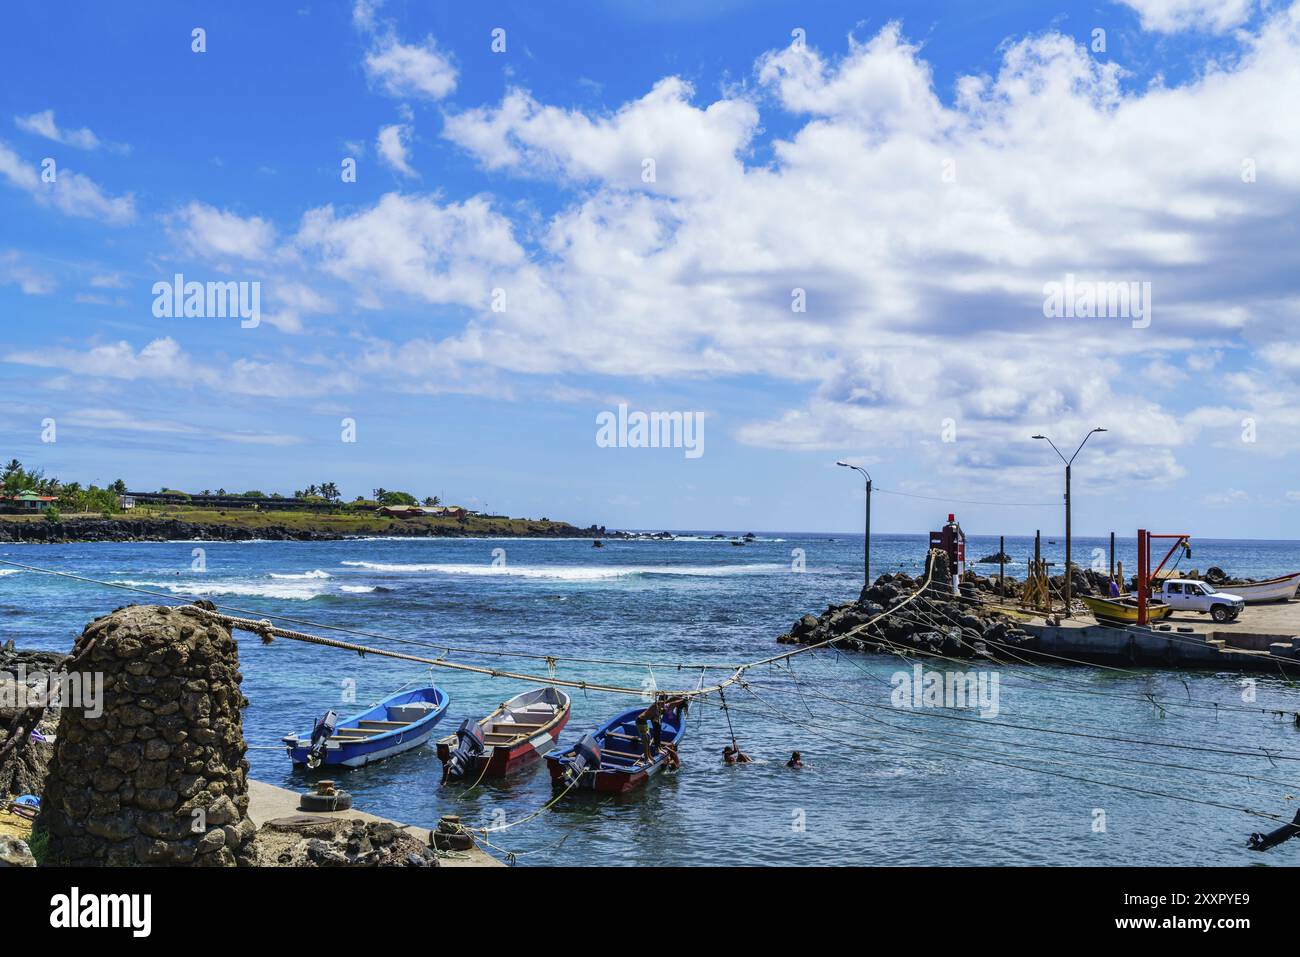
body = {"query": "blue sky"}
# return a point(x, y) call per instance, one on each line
point(919, 170)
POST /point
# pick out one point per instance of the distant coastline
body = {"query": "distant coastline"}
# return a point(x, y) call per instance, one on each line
point(270, 525)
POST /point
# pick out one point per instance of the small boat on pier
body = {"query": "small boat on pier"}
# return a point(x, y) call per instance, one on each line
point(1123, 611)
point(611, 759)
point(398, 723)
point(512, 737)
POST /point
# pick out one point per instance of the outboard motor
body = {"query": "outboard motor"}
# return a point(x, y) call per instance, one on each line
point(469, 745)
point(586, 757)
point(322, 732)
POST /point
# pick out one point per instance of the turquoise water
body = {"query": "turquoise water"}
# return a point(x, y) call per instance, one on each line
point(883, 785)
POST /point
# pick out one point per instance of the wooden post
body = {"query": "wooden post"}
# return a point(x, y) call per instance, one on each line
point(1002, 565)
point(1144, 561)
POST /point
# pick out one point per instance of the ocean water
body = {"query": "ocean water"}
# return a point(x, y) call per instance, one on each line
point(1057, 777)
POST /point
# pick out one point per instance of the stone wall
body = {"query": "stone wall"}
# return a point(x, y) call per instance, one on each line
point(160, 776)
point(23, 770)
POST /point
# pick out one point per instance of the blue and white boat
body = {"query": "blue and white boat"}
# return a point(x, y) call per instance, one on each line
point(611, 759)
point(398, 723)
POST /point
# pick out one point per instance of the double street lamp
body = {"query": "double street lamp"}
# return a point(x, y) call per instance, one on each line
point(866, 541)
point(1068, 462)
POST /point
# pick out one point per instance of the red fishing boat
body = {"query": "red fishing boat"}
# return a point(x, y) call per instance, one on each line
point(513, 736)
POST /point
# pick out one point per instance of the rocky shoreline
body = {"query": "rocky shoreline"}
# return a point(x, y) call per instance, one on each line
point(163, 530)
point(936, 623)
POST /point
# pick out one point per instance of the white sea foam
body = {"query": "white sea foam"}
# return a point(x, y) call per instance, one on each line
point(358, 589)
point(572, 572)
point(293, 592)
point(303, 575)
point(10, 571)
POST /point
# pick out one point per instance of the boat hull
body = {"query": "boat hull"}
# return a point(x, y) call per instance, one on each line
point(618, 775)
point(1120, 612)
point(429, 703)
point(501, 760)
point(1258, 593)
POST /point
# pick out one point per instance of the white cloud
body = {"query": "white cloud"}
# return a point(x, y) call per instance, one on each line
point(410, 70)
point(924, 290)
point(292, 302)
point(70, 192)
point(116, 420)
point(42, 124)
point(392, 146)
point(414, 245)
point(15, 271)
point(691, 149)
point(164, 360)
point(1172, 16)
point(214, 233)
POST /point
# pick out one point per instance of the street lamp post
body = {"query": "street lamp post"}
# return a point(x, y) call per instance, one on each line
point(1068, 462)
point(866, 542)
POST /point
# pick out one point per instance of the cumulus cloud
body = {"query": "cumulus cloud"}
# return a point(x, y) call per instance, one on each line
point(660, 143)
point(216, 233)
point(401, 69)
point(920, 235)
point(70, 193)
point(416, 245)
point(1172, 16)
point(392, 144)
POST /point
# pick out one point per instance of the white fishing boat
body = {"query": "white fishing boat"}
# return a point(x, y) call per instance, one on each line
point(1272, 589)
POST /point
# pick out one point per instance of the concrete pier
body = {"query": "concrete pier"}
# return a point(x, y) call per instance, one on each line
point(266, 802)
point(1264, 638)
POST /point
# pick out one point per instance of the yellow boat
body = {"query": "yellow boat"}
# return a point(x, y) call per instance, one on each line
point(1124, 611)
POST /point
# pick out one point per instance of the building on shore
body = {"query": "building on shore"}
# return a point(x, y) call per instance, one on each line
point(26, 501)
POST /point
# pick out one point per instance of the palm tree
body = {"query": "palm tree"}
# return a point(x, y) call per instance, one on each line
point(379, 493)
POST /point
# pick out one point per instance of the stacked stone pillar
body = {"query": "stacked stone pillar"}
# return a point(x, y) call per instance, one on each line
point(160, 776)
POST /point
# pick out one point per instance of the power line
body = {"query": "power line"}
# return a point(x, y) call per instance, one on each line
point(965, 501)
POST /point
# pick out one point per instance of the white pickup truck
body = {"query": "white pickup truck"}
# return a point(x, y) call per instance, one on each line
point(1183, 594)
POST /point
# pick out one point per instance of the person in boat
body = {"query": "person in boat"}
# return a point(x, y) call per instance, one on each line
point(732, 754)
point(1114, 588)
point(796, 760)
point(672, 760)
point(650, 722)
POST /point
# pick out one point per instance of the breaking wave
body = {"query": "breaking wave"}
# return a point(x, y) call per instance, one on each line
point(291, 592)
point(572, 572)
